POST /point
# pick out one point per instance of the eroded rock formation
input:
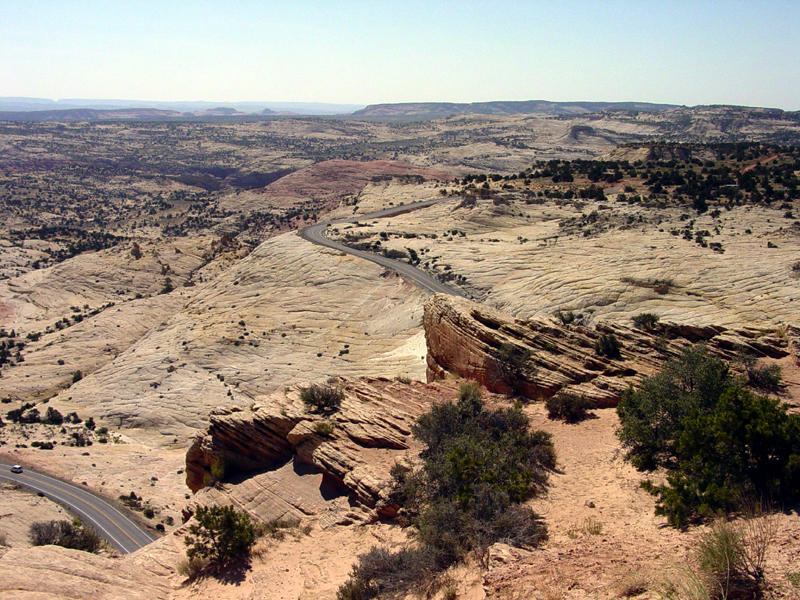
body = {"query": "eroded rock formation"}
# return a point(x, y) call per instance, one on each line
point(371, 430)
point(465, 337)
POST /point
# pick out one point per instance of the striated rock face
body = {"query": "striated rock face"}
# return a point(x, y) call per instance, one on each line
point(52, 572)
point(371, 431)
point(464, 337)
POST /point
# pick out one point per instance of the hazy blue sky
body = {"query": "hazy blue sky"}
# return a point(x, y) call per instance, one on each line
point(670, 51)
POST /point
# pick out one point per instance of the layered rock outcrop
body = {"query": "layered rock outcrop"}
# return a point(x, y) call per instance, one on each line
point(465, 338)
point(371, 430)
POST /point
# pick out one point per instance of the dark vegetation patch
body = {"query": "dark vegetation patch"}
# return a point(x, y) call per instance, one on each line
point(568, 407)
point(478, 466)
point(717, 440)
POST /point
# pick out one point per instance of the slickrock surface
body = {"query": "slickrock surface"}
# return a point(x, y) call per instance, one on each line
point(290, 312)
point(41, 297)
point(53, 572)
point(463, 337)
point(372, 431)
point(86, 346)
point(604, 260)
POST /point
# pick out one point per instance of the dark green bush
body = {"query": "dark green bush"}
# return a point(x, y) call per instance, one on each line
point(567, 407)
point(608, 345)
point(68, 534)
point(565, 317)
point(651, 417)
point(321, 398)
point(221, 534)
point(510, 367)
point(31, 416)
point(761, 376)
point(646, 321)
point(719, 441)
point(52, 417)
point(478, 466)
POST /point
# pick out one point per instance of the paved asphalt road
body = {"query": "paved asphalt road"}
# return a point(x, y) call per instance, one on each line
point(109, 522)
point(316, 235)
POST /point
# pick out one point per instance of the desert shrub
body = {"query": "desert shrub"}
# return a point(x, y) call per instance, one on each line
point(510, 367)
point(321, 398)
point(403, 378)
point(52, 417)
point(90, 424)
point(77, 376)
point(565, 317)
point(24, 414)
point(587, 526)
point(721, 554)
point(276, 528)
point(216, 472)
point(324, 428)
point(67, 534)
point(31, 416)
point(222, 534)
point(646, 321)
point(567, 407)
point(80, 439)
point(651, 416)
point(726, 562)
point(719, 441)
point(478, 466)
point(192, 567)
point(608, 345)
point(3, 539)
point(390, 574)
point(732, 555)
point(470, 392)
point(765, 377)
point(761, 376)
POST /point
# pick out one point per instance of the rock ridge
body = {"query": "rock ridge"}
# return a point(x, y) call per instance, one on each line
point(369, 433)
point(464, 337)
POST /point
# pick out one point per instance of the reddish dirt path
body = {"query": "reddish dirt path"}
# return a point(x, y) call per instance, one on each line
point(760, 161)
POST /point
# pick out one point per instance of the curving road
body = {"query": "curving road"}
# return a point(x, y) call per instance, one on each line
point(316, 235)
point(109, 522)
point(113, 525)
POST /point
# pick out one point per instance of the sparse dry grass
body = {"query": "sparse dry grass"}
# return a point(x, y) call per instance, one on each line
point(192, 567)
point(587, 526)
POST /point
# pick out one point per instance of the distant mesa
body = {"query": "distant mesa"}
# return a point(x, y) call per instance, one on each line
point(500, 108)
point(76, 115)
point(221, 111)
point(42, 109)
